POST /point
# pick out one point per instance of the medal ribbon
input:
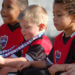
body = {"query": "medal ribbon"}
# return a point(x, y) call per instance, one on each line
point(9, 52)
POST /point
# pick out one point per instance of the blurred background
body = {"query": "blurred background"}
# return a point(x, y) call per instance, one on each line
point(51, 31)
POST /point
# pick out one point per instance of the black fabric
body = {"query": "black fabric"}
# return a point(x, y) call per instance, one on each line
point(71, 54)
point(50, 56)
point(18, 54)
point(73, 51)
point(48, 65)
point(65, 39)
point(12, 73)
point(36, 52)
point(13, 27)
point(34, 71)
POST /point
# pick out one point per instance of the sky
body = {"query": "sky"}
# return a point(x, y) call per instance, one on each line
point(48, 5)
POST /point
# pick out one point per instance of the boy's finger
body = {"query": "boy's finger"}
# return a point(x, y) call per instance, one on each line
point(70, 71)
point(22, 67)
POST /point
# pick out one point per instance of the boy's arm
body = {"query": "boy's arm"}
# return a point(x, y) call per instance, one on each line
point(35, 52)
point(12, 62)
point(70, 68)
point(38, 64)
point(1, 61)
point(57, 68)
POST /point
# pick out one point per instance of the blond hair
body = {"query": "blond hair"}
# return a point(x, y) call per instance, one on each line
point(36, 13)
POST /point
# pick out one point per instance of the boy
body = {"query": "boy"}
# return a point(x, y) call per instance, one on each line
point(10, 34)
point(33, 22)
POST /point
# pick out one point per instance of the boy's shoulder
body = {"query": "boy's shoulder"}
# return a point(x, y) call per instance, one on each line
point(41, 40)
point(3, 27)
point(44, 42)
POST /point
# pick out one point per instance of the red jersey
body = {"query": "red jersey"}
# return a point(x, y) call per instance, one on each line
point(39, 48)
point(10, 36)
point(63, 50)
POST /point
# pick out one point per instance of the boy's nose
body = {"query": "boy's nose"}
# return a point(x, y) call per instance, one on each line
point(54, 19)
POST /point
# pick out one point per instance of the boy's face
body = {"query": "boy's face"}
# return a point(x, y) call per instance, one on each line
point(10, 11)
point(28, 29)
point(62, 19)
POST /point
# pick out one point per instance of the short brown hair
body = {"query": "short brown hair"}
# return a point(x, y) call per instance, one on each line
point(69, 5)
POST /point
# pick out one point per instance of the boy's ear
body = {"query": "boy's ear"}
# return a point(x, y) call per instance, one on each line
point(73, 18)
point(42, 26)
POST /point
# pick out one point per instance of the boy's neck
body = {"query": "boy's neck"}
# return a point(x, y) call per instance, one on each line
point(13, 27)
point(68, 34)
point(13, 23)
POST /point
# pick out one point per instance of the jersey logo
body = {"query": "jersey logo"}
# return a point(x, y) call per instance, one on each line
point(57, 56)
point(3, 41)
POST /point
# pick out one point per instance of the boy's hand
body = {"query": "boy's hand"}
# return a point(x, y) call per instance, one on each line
point(2, 61)
point(70, 69)
point(56, 68)
point(24, 65)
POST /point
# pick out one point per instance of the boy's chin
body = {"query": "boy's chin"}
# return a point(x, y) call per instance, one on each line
point(58, 29)
point(27, 38)
point(6, 22)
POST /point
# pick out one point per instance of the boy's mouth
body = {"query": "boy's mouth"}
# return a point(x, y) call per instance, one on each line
point(4, 17)
point(55, 24)
point(24, 34)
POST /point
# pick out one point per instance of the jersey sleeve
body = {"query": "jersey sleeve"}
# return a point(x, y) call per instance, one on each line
point(50, 57)
point(35, 52)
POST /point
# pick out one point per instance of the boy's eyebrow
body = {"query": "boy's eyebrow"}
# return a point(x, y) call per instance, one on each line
point(59, 11)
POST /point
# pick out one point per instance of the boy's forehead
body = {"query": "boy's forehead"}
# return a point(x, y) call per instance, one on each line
point(10, 1)
point(58, 8)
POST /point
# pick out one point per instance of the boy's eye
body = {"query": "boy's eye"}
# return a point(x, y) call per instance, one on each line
point(59, 15)
point(9, 6)
point(27, 27)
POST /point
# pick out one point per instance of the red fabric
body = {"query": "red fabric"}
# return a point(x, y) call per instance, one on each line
point(61, 50)
point(15, 38)
point(44, 42)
